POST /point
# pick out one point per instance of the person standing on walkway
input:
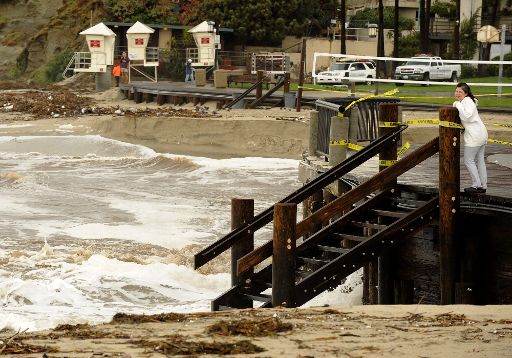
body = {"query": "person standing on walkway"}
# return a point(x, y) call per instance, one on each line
point(116, 71)
point(475, 138)
point(125, 63)
point(189, 72)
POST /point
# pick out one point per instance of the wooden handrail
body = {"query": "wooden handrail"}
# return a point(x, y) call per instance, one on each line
point(257, 101)
point(345, 202)
point(249, 90)
point(263, 218)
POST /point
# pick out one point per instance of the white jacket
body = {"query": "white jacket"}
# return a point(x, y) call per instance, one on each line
point(475, 133)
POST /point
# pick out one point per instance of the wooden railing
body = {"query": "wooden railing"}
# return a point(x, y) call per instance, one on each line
point(262, 219)
point(345, 202)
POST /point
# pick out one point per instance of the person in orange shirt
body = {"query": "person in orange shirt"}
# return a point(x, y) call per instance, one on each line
point(116, 71)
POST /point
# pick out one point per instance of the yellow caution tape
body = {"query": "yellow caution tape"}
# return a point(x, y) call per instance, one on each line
point(498, 141)
point(422, 121)
point(386, 163)
point(450, 124)
point(406, 146)
point(354, 146)
point(341, 142)
point(500, 125)
point(388, 124)
point(321, 90)
point(346, 143)
point(385, 94)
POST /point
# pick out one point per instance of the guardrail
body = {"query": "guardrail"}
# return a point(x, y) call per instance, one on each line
point(367, 124)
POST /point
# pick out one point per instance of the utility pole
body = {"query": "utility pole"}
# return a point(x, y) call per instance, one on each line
point(343, 33)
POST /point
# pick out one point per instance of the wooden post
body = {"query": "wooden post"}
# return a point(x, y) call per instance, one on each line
point(283, 257)
point(137, 96)
point(259, 89)
point(388, 113)
point(130, 94)
point(449, 200)
point(161, 99)
point(338, 132)
point(242, 213)
point(373, 282)
point(465, 293)
point(404, 292)
point(148, 97)
point(301, 73)
point(286, 86)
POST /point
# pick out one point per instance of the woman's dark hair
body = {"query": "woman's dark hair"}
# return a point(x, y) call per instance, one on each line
point(464, 86)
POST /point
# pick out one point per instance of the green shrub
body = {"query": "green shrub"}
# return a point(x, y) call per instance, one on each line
point(57, 65)
point(409, 45)
point(172, 64)
point(493, 70)
point(468, 71)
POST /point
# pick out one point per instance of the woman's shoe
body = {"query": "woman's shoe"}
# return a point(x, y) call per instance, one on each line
point(471, 190)
point(481, 190)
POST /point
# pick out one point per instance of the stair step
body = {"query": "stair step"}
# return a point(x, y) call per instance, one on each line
point(225, 308)
point(408, 203)
point(303, 274)
point(337, 250)
point(388, 213)
point(261, 297)
point(313, 261)
point(350, 237)
point(368, 225)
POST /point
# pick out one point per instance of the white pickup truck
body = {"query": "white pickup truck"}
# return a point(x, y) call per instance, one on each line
point(432, 69)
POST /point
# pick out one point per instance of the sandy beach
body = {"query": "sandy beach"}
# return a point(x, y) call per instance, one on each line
point(362, 331)
point(359, 331)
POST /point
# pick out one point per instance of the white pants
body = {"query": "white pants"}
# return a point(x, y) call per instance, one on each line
point(475, 162)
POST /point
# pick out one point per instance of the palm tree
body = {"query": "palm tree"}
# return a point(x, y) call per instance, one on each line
point(456, 32)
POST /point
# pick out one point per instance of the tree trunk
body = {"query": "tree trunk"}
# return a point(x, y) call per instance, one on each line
point(380, 42)
point(396, 34)
point(486, 55)
point(427, 25)
point(456, 32)
point(343, 19)
point(423, 31)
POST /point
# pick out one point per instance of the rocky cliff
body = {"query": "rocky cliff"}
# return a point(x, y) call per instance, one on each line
point(33, 32)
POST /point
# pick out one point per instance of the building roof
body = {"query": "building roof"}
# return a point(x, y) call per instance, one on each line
point(98, 29)
point(140, 28)
point(159, 26)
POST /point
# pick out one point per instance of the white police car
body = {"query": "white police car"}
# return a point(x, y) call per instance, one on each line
point(340, 72)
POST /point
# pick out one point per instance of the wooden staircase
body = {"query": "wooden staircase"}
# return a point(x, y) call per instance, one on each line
point(334, 241)
point(327, 257)
point(367, 222)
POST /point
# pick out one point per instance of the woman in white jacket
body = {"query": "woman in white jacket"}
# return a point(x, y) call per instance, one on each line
point(475, 138)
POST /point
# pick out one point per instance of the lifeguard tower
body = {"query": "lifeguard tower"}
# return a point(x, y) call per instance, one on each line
point(139, 53)
point(100, 41)
point(207, 41)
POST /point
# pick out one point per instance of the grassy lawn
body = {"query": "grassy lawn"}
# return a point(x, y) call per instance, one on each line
point(436, 94)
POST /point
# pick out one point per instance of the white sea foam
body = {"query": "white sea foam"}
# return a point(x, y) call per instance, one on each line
point(109, 211)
